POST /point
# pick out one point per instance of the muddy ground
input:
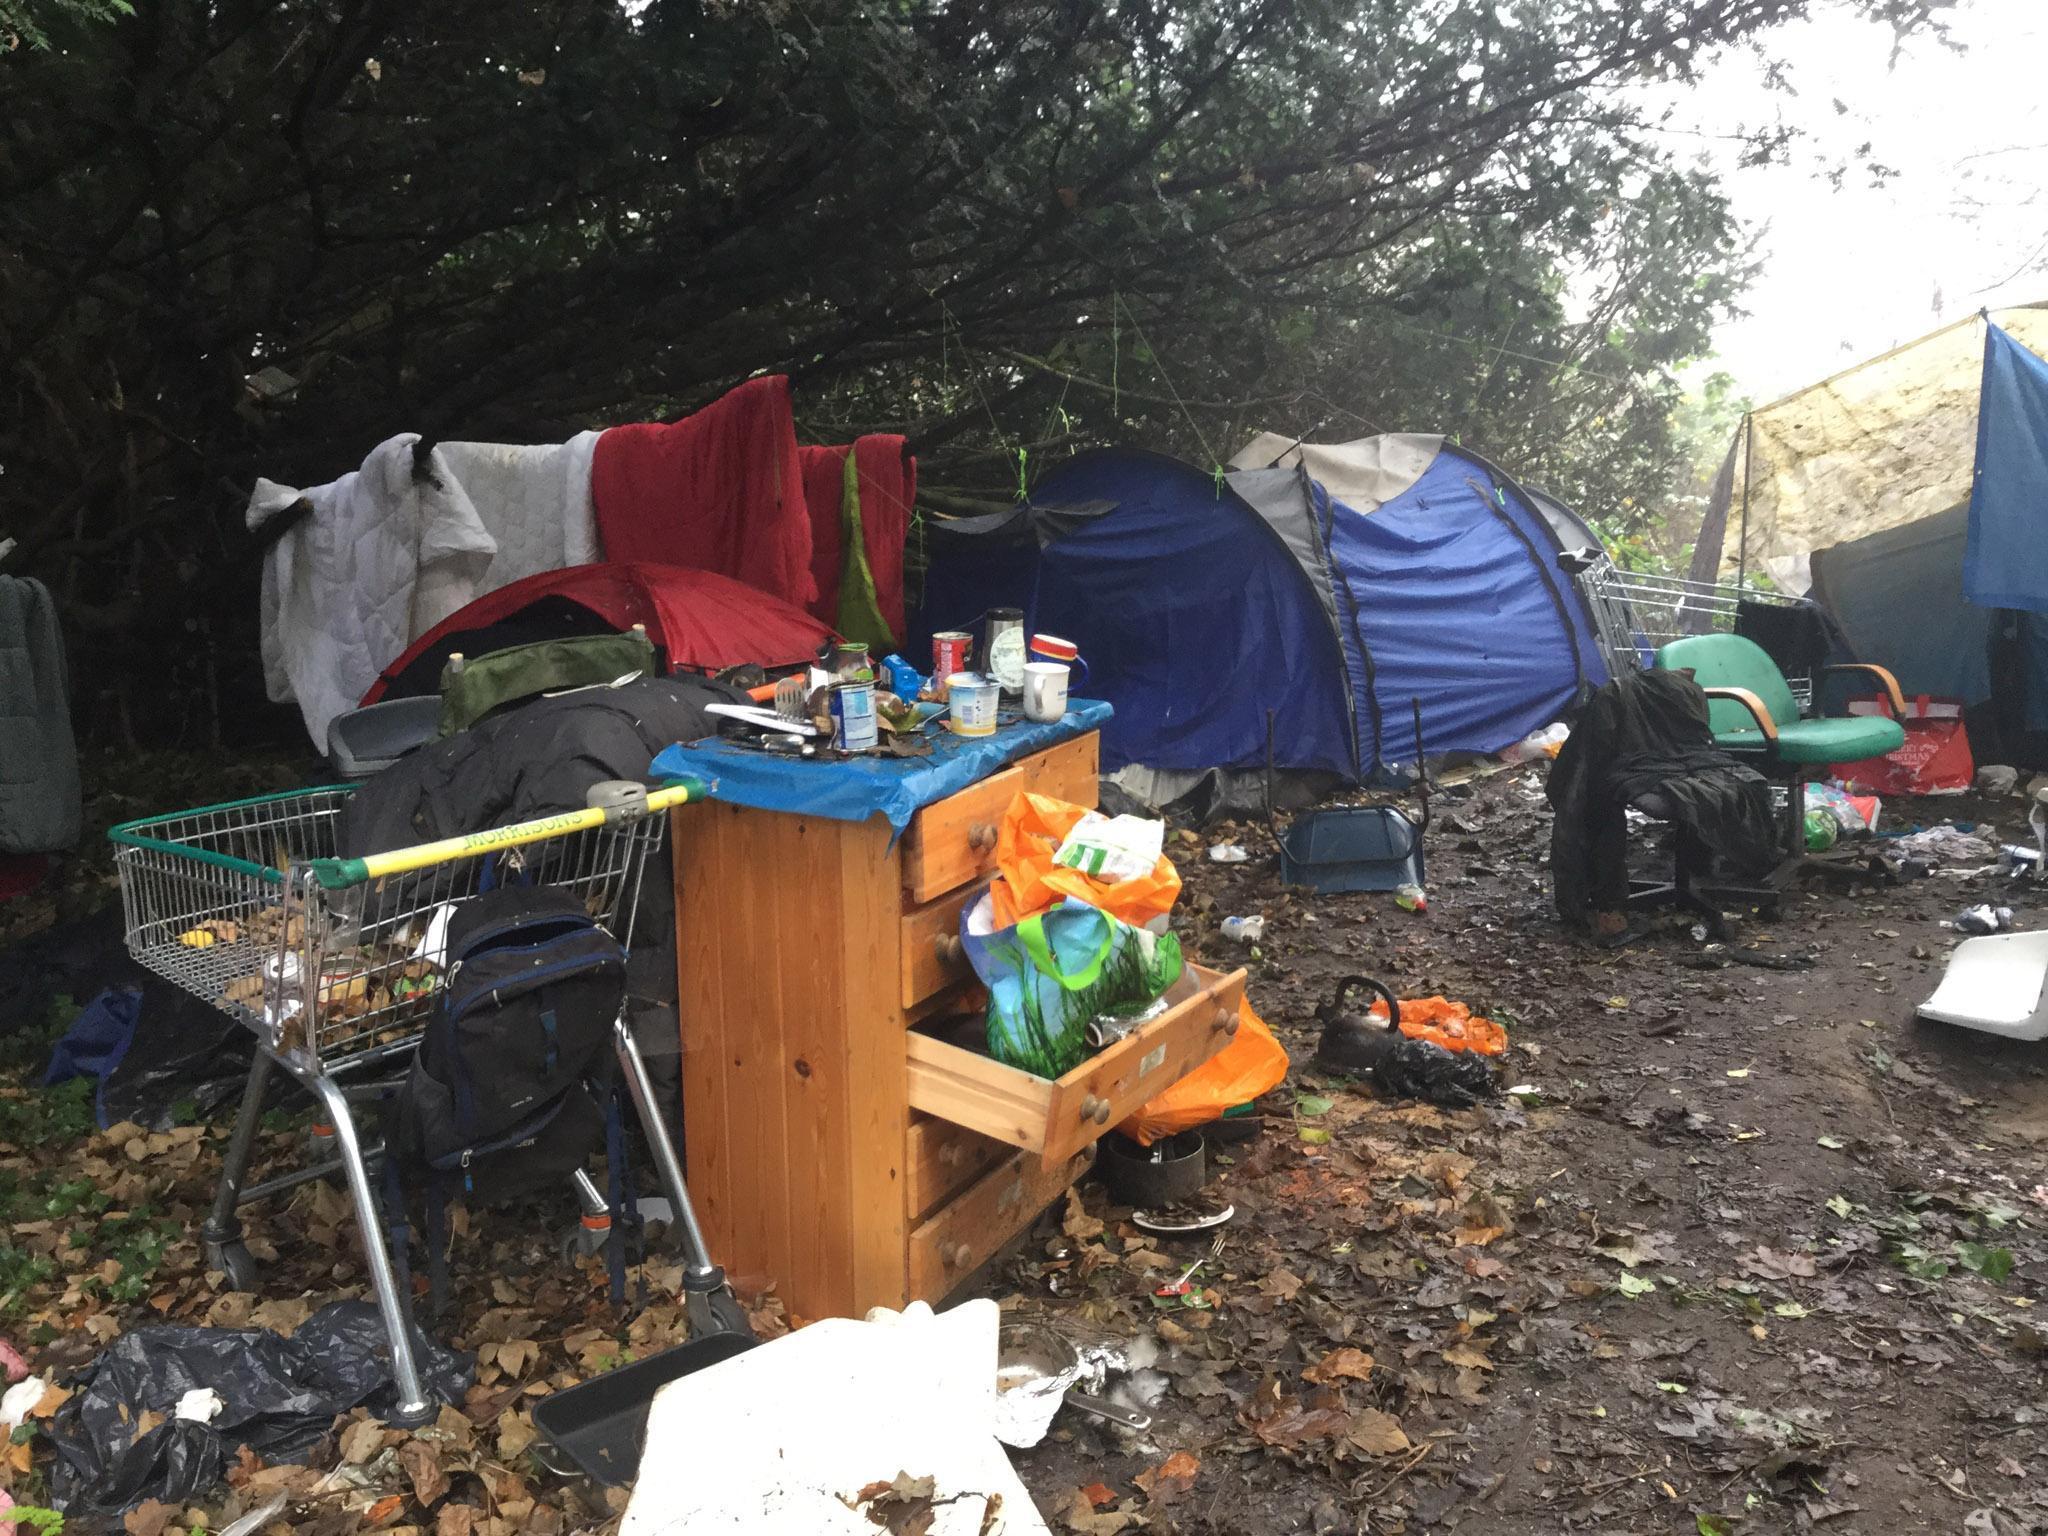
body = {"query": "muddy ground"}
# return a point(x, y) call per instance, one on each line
point(1762, 1256)
point(1759, 1253)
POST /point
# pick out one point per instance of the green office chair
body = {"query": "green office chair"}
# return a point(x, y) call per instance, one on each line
point(1754, 716)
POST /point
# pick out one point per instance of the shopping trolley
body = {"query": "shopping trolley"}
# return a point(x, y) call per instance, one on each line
point(334, 963)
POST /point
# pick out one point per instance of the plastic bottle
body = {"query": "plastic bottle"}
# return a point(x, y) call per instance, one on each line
point(1543, 743)
point(1411, 898)
point(1983, 919)
point(1821, 831)
point(1245, 930)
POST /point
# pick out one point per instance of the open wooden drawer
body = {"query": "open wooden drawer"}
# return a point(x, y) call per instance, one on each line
point(1057, 1118)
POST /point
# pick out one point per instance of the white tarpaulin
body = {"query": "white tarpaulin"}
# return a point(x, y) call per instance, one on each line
point(1883, 444)
point(1361, 474)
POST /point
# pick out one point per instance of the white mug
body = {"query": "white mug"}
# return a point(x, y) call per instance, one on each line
point(1045, 690)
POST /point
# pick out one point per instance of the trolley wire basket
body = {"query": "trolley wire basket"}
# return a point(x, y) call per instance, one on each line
point(247, 906)
point(1638, 612)
point(335, 962)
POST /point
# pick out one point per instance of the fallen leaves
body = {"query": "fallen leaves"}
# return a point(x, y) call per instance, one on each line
point(1634, 1285)
point(1078, 1224)
point(149, 1518)
point(1081, 1516)
point(1633, 1249)
point(1769, 1264)
point(1471, 1356)
point(1378, 1434)
point(1345, 1364)
point(515, 1434)
point(422, 1463)
point(361, 1440)
point(1281, 1419)
point(1282, 1283)
point(1170, 1479)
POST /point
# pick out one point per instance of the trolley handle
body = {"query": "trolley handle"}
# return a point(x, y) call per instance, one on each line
point(337, 874)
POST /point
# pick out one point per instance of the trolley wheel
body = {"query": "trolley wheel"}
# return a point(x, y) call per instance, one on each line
point(234, 1260)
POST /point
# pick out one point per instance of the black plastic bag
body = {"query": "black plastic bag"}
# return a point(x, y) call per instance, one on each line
point(279, 1396)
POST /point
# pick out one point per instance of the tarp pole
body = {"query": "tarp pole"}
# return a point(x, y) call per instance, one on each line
point(1748, 458)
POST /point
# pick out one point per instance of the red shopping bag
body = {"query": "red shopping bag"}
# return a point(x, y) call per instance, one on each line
point(1934, 761)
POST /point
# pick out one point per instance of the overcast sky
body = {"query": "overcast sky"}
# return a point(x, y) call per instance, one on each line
point(1964, 223)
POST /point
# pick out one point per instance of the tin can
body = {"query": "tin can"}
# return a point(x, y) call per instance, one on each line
point(849, 660)
point(853, 717)
point(950, 650)
point(971, 704)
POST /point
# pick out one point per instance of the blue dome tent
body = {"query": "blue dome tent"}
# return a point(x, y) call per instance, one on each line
point(1201, 601)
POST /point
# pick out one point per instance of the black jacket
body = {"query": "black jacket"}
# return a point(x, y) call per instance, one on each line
point(1644, 732)
point(537, 759)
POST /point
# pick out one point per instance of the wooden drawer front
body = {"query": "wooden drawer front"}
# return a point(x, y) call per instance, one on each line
point(966, 1234)
point(942, 1158)
point(953, 841)
point(932, 959)
point(1058, 1118)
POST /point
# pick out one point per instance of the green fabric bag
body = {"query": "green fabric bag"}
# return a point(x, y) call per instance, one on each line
point(483, 683)
point(860, 610)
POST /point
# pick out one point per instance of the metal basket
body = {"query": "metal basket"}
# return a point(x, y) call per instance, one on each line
point(246, 906)
point(334, 963)
point(1639, 612)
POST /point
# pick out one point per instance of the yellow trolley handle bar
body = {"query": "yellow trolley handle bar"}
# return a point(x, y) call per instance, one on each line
point(335, 874)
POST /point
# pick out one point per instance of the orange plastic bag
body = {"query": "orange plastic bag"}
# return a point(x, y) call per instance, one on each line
point(1253, 1063)
point(1450, 1025)
point(1032, 830)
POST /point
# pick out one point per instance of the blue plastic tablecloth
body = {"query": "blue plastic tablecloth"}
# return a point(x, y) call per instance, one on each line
point(857, 788)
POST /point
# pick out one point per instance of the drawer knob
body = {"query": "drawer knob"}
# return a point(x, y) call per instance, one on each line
point(1095, 1109)
point(956, 1255)
point(1226, 1020)
point(949, 1154)
point(981, 837)
point(949, 949)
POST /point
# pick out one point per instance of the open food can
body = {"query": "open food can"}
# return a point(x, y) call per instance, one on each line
point(971, 704)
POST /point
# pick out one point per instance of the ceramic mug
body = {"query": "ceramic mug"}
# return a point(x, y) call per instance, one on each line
point(1053, 648)
point(1045, 690)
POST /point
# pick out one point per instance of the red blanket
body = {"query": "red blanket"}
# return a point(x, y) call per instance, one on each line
point(888, 487)
point(721, 490)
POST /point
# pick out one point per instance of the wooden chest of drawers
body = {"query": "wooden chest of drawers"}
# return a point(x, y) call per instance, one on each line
point(832, 1148)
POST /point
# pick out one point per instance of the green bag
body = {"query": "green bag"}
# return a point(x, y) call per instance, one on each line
point(1052, 975)
point(483, 683)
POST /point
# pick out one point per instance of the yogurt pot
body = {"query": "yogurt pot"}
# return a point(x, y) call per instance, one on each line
point(971, 704)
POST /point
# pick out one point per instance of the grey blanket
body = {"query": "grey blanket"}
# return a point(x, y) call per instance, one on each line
point(40, 808)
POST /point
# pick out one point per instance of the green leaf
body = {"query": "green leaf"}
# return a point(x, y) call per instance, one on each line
point(1994, 1264)
point(1790, 1309)
point(1840, 1205)
point(1634, 1285)
point(1314, 1135)
point(1920, 1264)
point(1713, 1525)
point(1310, 1105)
point(1677, 1387)
point(1832, 1143)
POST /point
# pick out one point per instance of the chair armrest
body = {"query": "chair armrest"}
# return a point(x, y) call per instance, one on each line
point(1753, 704)
point(1885, 680)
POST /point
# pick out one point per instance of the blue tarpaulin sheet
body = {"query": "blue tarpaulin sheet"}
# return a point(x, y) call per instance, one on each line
point(857, 788)
point(2006, 563)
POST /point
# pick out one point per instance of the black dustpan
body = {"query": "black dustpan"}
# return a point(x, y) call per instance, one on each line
point(601, 1425)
